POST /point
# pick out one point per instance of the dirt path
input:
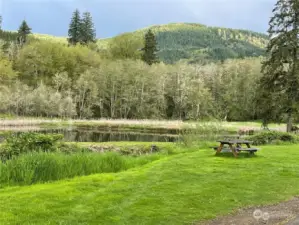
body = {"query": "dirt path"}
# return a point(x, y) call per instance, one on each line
point(286, 213)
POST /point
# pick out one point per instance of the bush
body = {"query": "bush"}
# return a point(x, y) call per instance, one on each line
point(273, 137)
point(17, 144)
point(71, 148)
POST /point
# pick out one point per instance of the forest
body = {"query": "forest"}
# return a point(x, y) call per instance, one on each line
point(195, 43)
point(108, 79)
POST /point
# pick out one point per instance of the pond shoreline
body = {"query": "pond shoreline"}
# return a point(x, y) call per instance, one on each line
point(148, 126)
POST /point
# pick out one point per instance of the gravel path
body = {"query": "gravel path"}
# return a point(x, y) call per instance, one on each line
point(286, 213)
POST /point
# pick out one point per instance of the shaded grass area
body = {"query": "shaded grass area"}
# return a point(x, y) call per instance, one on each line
point(181, 189)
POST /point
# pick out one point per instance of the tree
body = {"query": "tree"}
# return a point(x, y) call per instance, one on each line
point(150, 48)
point(23, 32)
point(87, 30)
point(280, 69)
point(7, 73)
point(125, 46)
point(74, 31)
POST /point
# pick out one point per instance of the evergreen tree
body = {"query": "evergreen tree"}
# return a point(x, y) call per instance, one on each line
point(150, 48)
point(280, 69)
point(23, 32)
point(74, 31)
point(87, 30)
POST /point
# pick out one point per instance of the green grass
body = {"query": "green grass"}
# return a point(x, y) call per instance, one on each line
point(39, 167)
point(179, 189)
point(44, 167)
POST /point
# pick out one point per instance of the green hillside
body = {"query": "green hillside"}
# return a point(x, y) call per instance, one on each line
point(197, 43)
point(187, 41)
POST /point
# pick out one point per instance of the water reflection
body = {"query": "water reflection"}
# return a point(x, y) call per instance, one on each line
point(79, 135)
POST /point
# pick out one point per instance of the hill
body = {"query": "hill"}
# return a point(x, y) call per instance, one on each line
point(188, 42)
point(197, 42)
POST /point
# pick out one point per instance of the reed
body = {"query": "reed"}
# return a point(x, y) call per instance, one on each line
point(44, 167)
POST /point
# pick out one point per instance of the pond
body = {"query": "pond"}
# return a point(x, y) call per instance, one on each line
point(90, 135)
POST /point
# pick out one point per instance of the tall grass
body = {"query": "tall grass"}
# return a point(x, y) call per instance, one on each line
point(201, 133)
point(44, 167)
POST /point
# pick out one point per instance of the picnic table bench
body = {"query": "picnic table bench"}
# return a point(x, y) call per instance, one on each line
point(235, 146)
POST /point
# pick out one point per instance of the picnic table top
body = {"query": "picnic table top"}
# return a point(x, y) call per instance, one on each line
point(235, 141)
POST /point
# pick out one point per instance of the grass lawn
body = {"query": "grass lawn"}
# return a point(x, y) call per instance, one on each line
point(181, 189)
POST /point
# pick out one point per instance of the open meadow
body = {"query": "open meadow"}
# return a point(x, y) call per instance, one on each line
point(188, 187)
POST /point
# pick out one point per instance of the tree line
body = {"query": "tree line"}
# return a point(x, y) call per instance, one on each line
point(54, 80)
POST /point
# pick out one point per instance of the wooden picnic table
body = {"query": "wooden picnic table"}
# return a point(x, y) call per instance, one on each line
point(235, 146)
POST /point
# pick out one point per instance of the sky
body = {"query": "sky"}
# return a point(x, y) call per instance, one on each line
point(112, 17)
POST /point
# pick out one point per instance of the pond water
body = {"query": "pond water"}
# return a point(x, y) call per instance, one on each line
point(82, 135)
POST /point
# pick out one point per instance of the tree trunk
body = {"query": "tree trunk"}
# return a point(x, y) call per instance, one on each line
point(290, 122)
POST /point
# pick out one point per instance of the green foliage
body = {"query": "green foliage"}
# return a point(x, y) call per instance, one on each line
point(74, 31)
point(280, 79)
point(7, 74)
point(81, 30)
point(69, 162)
point(43, 167)
point(51, 79)
point(130, 89)
point(196, 43)
point(23, 32)
point(177, 190)
point(68, 148)
point(8, 36)
point(87, 30)
point(124, 46)
point(43, 60)
point(272, 137)
point(150, 48)
point(200, 133)
point(17, 144)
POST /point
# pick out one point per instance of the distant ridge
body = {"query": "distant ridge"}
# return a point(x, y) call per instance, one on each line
point(190, 42)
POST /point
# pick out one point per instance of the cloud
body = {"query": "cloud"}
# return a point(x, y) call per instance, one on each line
point(117, 16)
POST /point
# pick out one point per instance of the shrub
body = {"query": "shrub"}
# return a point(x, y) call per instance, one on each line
point(17, 144)
point(126, 150)
point(71, 148)
point(273, 137)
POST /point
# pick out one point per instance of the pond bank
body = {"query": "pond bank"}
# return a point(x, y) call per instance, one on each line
point(147, 126)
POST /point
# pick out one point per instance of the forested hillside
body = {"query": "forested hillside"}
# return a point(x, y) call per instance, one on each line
point(47, 76)
point(193, 43)
point(198, 43)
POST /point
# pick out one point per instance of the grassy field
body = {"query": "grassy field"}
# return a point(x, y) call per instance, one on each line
point(185, 188)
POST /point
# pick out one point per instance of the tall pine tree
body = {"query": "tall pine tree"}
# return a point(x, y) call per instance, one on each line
point(87, 30)
point(74, 31)
point(150, 48)
point(23, 32)
point(280, 69)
